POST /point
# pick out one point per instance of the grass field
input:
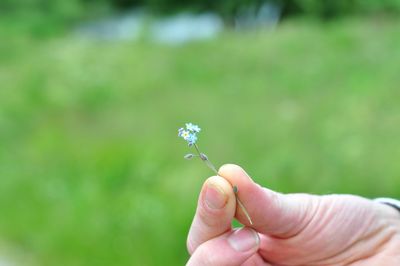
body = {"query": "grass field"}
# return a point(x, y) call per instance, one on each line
point(91, 168)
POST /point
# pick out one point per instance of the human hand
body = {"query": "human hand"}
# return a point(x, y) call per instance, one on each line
point(293, 229)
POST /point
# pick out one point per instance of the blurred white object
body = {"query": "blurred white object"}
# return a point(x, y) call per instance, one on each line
point(175, 29)
point(126, 26)
point(186, 27)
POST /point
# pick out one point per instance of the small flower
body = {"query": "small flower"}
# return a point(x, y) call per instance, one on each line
point(190, 133)
point(180, 131)
point(191, 139)
point(185, 135)
point(193, 128)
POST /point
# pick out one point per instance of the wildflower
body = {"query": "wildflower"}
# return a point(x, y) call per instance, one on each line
point(180, 131)
point(193, 128)
point(185, 135)
point(190, 133)
point(192, 139)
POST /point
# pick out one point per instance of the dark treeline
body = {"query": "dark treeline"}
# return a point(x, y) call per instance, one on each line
point(76, 9)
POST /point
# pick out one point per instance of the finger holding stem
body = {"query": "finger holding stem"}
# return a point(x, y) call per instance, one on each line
point(210, 165)
point(189, 134)
point(246, 213)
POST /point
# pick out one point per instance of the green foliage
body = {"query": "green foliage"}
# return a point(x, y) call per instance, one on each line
point(335, 8)
point(91, 166)
point(326, 8)
point(62, 8)
point(378, 6)
point(78, 9)
point(43, 16)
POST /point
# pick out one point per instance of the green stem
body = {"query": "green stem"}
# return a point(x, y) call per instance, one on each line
point(206, 161)
point(246, 213)
point(235, 189)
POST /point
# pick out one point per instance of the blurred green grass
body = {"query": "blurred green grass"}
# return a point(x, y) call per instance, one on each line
point(91, 169)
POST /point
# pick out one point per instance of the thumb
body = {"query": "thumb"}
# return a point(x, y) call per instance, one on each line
point(229, 249)
point(214, 214)
point(271, 212)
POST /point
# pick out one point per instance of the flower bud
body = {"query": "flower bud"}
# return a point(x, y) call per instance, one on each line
point(188, 156)
point(203, 157)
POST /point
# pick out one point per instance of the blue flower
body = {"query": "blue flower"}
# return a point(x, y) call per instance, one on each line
point(190, 133)
point(180, 131)
point(193, 128)
point(185, 134)
point(191, 139)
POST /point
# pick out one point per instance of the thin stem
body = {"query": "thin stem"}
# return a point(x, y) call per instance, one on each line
point(206, 160)
point(197, 149)
point(235, 189)
point(243, 209)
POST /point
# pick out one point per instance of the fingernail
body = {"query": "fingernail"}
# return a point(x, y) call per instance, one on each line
point(215, 197)
point(244, 239)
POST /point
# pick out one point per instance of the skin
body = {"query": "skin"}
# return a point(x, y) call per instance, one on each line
point(292, 229)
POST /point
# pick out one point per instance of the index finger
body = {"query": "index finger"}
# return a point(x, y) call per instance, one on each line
point(271, 212)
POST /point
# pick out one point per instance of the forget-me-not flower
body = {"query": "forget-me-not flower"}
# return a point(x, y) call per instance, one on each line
point(190, 133)
point(193, 128)
point(191, 139)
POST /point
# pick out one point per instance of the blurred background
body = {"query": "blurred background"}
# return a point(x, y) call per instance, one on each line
point(304, 94)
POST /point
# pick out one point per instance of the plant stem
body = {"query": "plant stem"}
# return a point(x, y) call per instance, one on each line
point(235, 189)
point(246, 213)
point(206, 160)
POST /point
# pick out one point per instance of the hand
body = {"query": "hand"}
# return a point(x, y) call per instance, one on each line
point(293, 229)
